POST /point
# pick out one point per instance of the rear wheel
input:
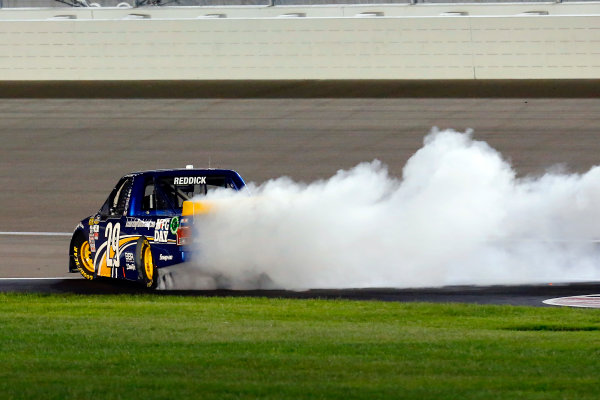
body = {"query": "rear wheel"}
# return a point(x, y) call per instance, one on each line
point(82, 256)
point(146, 268)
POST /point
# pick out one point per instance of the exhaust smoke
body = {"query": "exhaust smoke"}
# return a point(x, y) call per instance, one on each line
point(458, 215)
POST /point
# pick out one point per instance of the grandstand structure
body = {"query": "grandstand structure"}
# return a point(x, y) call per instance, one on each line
point(199, 3)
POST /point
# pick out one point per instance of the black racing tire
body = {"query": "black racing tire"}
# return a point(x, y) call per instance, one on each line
point(82, 257)
point(144, 263)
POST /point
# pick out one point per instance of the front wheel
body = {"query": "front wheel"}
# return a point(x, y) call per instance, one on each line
point(146, 268)
point(82, 256)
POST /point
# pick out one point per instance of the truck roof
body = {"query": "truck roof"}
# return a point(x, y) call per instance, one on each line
point(184, 172)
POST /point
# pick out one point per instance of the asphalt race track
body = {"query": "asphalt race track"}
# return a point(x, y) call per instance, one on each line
point(530, 295)
point(60, 158)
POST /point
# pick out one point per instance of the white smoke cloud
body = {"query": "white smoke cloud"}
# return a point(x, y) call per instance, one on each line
point(458, 215)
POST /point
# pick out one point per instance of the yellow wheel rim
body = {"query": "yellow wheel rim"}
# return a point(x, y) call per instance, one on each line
point(86, 256)
point(148, 264)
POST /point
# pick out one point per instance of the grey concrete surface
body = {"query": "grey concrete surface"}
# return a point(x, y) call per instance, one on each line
point(59, 158)
point(33, 256)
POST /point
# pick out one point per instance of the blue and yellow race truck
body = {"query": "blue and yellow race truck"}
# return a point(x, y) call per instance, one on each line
point(139, 228)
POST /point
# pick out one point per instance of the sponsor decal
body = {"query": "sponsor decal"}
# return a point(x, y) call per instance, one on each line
point(161, 231)
point(95, 228)
point(97, 220)
point(163, 257)
point(190, 180)
point(91, 221)
point(96, 235)
point(92, 242)
point(163, 223)
point(139, 223)
point(129, 261)
point(174, 225)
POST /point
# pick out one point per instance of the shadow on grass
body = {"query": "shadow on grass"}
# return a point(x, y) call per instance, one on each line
point(553, 328)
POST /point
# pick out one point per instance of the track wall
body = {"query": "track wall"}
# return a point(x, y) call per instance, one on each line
point(289, 45)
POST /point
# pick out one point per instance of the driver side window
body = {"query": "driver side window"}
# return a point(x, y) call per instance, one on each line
point(149, 201)
point(120, 201)
point(117, 203)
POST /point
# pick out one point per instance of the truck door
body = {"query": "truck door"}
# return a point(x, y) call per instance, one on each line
point(112, 221)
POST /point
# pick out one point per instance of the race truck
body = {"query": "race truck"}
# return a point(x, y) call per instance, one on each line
point(139, 228)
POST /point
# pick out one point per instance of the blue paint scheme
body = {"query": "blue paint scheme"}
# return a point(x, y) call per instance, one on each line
point(139, 217)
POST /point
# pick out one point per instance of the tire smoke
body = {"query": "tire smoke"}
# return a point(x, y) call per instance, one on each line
point(458, 215)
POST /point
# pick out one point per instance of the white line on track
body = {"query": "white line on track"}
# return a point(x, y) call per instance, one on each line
point(36, 233)
point(584, 301)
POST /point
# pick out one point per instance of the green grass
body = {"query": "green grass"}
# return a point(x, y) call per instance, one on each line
point(152, 346)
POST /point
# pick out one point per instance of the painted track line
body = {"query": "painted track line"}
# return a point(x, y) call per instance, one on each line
point(36, 233)
point(584, 301)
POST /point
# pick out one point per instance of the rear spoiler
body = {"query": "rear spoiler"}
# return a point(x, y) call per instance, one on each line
point(190, 208)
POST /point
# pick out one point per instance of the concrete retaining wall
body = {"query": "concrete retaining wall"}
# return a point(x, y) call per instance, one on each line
point(334, 42)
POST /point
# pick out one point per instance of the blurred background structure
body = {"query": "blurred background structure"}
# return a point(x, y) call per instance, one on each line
point(279, 40)
point(191, 3)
